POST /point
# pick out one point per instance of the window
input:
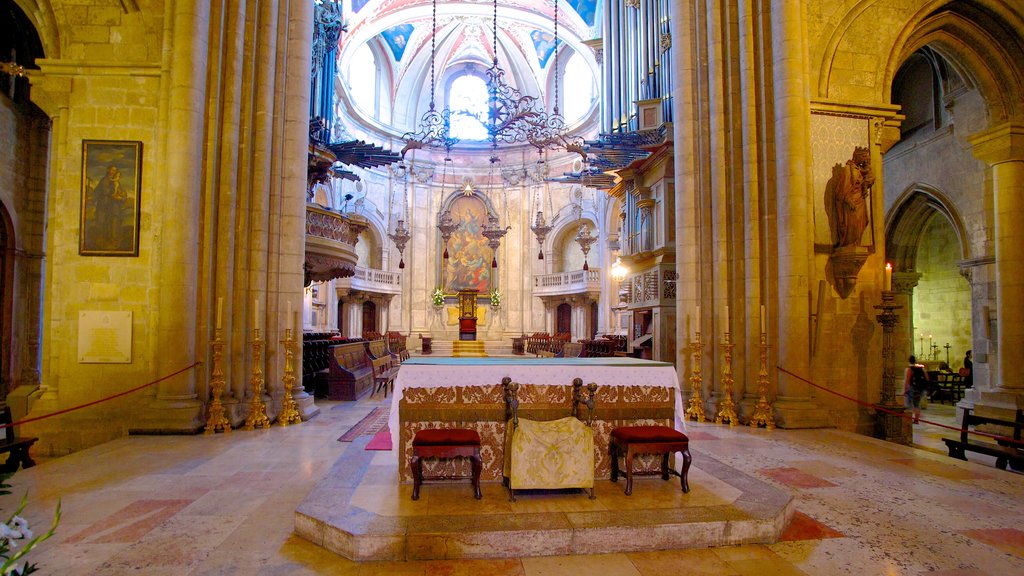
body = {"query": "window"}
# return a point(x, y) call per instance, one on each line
point(362, 80)
point(467, 99)
point(577, 89)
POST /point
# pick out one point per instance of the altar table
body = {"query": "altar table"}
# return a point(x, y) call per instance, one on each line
point(467, 393)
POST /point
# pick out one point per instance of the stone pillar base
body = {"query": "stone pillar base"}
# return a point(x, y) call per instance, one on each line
point(306, 407)
point(799, 413)
point(1000, 404)
point(894, 427)
point(168, 417)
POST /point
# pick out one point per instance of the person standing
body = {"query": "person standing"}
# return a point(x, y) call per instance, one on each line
point(968, 370)
point(915, 384)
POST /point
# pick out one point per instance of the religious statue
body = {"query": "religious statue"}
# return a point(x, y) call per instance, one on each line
point(846, 199)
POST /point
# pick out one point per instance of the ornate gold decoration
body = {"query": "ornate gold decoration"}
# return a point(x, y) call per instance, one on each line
point(727, 408)
point(12, 69)
point(696, 405)
point(216, 421)
point(763, 409)
point(257, 409)
point(289, 415)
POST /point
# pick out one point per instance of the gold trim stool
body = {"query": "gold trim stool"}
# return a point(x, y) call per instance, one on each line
point(629, 441)
point(445, 443)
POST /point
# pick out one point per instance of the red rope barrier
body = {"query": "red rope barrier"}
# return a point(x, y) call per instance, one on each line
point(894, 413)
point(101, 400)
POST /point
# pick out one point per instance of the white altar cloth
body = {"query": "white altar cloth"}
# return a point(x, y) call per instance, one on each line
point(440, 372)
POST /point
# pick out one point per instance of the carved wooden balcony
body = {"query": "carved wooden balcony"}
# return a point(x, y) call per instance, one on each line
point(331, 244)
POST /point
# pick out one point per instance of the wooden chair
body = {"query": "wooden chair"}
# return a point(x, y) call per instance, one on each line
point(445, 443)
point(629, 441)
point(383, 374)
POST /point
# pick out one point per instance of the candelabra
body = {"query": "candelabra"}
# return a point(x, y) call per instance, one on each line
point(763, 409)
point(216, 421)
point(695, 409)
point(446, 225)
point(257, 408)
point(891, 412)
point(540, 229)
point(584, 239)
point(727, 408)
point(289, 415)
point(494, 233)
point(400, 237)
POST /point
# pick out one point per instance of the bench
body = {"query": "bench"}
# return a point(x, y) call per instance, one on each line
point(1004, 451)
point(17, 447)
point(350, 374)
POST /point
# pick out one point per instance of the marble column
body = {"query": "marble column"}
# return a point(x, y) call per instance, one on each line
point(353, 318)
point(1002, 148)
point(794, 407)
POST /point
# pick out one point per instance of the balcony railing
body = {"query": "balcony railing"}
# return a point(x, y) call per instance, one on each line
point(373, 280)
point(331, 243)
point(562, 283)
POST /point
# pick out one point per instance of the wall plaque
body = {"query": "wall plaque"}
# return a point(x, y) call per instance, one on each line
point(104, 337)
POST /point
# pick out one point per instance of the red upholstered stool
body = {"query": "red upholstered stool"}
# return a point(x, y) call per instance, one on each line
point(445, 443)
point(631, 440)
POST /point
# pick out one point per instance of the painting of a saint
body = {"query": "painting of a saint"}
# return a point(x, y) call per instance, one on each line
point(468, 266)
point(110, 198)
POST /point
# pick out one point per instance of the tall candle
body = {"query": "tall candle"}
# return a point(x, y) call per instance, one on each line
point(762, 320)
point(698, 318)
point(255, 311)
point(726, 316)
point(887, 285)
point(289, 317)
point(220, 311)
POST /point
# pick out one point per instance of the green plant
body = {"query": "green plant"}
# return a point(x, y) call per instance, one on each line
point(14, 531)
point(437, 297)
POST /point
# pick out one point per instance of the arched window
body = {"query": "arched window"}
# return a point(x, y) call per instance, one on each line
point(577, 89)
point(467, 99)
point(363, 81)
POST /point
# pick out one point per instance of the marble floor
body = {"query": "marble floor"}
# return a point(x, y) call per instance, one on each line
point(224, 504)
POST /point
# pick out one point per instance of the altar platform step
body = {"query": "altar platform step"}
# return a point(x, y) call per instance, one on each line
point(468, 349)
point(361, 511)
point(442, 347)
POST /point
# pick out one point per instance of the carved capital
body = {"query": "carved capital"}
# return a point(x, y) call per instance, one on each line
point(905, 282)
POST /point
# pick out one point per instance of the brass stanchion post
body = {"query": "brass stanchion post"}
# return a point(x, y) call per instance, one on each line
point(289, 415)
point(216, 421)
point(696, 405)
point(257, 409)
point(727, 408)
point(763, 409)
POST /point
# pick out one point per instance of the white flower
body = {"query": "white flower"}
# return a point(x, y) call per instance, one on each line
point(21, 527)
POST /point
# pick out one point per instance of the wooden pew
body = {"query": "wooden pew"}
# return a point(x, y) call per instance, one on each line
point(1005, 452)
point(350, 373)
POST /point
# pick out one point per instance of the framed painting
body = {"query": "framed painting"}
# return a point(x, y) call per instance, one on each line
point(111, 184)
point(469, 264)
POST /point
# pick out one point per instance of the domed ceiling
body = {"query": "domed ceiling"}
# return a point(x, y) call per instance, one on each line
point(398, 34)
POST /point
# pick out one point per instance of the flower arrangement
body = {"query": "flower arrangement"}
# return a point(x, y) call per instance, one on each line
point(437, 297)
point(15, 530)
point(495, 299)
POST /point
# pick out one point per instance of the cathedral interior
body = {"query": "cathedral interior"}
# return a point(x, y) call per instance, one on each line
point(201, 195)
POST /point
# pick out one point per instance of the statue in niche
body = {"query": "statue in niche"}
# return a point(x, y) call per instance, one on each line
point(846, 199)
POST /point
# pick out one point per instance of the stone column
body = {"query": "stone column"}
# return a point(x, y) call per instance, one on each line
point(794, 406)
point(176, 406)
point(353, 318)
point(1002, 148)
point(903, 284)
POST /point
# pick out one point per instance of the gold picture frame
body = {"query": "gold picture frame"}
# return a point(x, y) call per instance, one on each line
point(111, 190)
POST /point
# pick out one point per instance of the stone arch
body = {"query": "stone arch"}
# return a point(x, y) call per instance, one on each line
point(43, 18)
point(909, 216)
point(564, 234)
point(980, 49)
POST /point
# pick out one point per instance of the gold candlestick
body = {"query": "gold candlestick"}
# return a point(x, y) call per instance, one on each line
point(696, 405)
point(216, 421)
point(289, 415)
point(763, 409)
point(257, 409)
point(727, 408)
